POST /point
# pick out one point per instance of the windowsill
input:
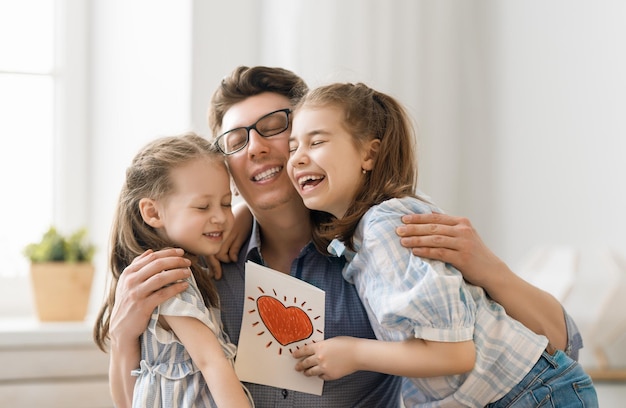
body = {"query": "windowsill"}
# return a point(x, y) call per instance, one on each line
point(54, 364)
point(25, 331)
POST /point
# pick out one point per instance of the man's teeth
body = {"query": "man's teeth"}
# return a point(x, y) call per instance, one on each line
point(266, 174)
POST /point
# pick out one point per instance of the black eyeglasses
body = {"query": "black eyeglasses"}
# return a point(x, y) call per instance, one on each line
point(269, 125)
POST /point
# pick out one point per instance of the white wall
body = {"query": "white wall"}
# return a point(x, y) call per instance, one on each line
point(518, 103)
point(559, 97)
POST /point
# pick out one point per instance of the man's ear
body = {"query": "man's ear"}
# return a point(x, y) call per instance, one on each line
point(150, 213)
point(370, 151)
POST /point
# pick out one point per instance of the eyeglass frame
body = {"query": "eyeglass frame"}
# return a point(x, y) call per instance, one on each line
point(287, 111)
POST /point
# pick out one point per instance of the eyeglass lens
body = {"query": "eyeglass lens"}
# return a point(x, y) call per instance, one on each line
point(269, 125)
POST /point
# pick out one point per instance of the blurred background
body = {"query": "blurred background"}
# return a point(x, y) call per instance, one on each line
point(519, 107)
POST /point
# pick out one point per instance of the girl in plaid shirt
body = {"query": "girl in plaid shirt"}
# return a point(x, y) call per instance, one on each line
point(353, 160)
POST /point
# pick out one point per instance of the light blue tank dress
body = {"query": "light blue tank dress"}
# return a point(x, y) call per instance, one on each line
point(167, 377)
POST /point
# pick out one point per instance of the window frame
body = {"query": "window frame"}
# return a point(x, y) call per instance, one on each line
point(72, 115)
point(71, 140)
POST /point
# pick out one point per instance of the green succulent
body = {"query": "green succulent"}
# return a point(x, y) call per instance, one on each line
point(55, 247)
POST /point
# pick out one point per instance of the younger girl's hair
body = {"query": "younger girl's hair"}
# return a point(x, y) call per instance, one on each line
point(149, 176)
point(367, 115)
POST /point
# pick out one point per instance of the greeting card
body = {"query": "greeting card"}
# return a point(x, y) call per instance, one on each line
point(281, 313)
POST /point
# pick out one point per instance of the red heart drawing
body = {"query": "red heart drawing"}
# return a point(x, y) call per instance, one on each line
point(286, 324)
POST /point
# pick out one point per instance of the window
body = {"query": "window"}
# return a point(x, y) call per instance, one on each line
point(27, 95)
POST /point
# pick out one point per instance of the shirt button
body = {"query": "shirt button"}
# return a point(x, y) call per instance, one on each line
point(285, 393)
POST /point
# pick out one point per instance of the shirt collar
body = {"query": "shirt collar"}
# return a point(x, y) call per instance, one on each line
point(253, 252)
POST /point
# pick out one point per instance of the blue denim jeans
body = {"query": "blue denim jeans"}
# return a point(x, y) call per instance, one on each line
point(555, 381)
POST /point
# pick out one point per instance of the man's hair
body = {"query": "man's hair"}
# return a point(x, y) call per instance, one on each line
point(245, 82)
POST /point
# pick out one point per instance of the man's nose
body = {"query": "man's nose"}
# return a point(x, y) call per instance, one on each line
point(257, 144)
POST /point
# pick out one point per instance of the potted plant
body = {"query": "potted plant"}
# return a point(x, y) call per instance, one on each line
point(61, 271)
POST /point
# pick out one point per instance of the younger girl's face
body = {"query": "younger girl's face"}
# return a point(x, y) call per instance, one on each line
point(197, 215)
point(325, 165)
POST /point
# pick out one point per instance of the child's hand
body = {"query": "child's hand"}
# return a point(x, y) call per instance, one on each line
point(215, 266)
point(329, 359)
point(237, 237)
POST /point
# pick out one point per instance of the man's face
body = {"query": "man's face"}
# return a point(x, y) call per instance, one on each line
point(259, 170)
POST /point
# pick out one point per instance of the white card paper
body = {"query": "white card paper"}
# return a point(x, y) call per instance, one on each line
point(280, 314)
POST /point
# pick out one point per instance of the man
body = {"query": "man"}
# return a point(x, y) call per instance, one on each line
point(250, 114)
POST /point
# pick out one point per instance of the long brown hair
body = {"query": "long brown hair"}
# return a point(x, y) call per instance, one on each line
point(149, 176)
point(367, 115)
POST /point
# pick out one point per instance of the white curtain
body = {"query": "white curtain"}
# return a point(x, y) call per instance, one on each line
point(517, 104)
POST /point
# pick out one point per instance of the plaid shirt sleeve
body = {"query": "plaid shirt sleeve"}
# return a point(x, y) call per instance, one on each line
point(574, 338)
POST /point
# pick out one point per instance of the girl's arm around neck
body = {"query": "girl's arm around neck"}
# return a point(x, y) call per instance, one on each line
point(337, 357)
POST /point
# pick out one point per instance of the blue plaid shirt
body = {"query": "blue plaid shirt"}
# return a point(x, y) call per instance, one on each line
point(406, 296)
